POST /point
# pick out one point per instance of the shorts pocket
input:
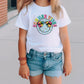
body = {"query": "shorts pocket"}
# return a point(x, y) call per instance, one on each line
point(57, 57)
point(29, 56)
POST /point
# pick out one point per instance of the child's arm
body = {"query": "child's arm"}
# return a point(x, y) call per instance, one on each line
point(66, 49)
point(22, 44)
point(24, 69)
point(22, 23)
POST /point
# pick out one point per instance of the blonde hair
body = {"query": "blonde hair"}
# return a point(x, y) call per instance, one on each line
point(55, 5)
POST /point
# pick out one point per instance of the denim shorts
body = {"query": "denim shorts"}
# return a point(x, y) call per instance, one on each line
point(48, 63)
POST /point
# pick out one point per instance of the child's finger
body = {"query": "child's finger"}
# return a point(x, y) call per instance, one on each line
point(66, 74)
point(69, 72)
point(26, 76)
point(63, 70)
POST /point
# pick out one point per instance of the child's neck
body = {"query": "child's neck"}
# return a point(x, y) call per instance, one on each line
point(42, 2)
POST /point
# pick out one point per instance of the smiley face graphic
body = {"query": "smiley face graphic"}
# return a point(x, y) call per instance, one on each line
point(44, 25)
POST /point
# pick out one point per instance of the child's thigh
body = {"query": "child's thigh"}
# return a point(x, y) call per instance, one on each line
point(36, 79)
point(53, 80)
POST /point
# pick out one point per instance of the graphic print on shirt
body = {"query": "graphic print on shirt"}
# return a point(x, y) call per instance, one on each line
point(44, 24)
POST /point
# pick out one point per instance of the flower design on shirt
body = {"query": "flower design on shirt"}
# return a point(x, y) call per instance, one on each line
point(44, 24)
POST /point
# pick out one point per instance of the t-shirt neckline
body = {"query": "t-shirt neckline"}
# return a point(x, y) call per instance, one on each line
point(41, 6)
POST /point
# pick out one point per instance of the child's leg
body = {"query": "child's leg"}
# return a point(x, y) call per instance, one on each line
point(53, 69)
point(34, 62)
point(36, 79)
point(53, 80)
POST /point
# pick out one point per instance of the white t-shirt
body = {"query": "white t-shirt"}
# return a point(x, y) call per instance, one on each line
point(42, 27)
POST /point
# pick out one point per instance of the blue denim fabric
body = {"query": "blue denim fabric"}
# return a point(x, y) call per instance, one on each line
point(49, 63)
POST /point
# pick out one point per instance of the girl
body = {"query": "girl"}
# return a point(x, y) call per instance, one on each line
point(43, 37)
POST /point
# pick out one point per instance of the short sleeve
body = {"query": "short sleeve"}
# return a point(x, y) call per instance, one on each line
point(65, 20)
point(22, 20)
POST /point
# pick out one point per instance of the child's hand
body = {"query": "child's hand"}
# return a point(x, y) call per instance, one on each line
point(67, 67)
point(24, 71)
